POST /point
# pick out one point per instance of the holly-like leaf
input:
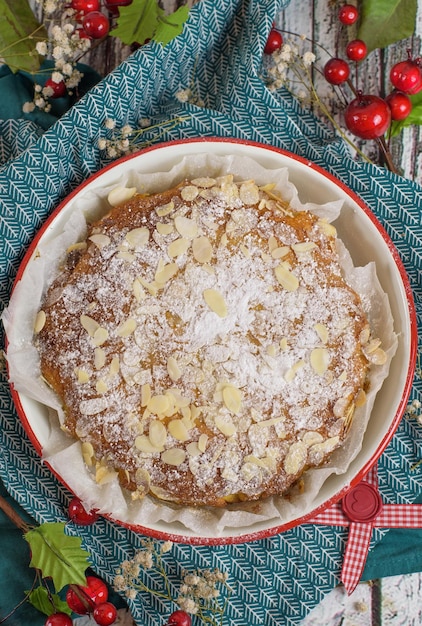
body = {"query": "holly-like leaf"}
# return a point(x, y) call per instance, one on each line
point(384, 22)
point(58, 555)
point(144, 19)
point(40, 599)
point(169, 26)
point(19, 33)
point(414, 118)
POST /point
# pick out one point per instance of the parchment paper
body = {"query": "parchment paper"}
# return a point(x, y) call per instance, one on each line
point(64, 454)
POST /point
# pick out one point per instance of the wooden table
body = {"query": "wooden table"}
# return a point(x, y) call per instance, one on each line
point(318, 23)
point(392, 601)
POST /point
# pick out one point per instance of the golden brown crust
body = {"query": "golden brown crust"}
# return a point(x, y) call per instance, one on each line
point(205, 344)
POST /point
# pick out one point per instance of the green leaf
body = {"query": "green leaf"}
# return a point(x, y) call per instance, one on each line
point(415, 116)
point(384, 22)
point(19, 33)
point(40, 599)
point(170, 26)
point(58, 555)
point(144, 19)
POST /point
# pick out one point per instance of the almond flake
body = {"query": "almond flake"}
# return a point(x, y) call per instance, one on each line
point(178, 247)
point(360, 399)
point(100, 240)
point(173, 456)
point(126, 256)
point(100, 336)
point(99, 358)
point(173, 368)
point(291, 373)
point(83, 376)
point(215, 301)
point(327, 228)
point(319, 360)
point(90, 325)
point(249, 193)
point(272, 243)
point(138, 290)
point(164, 228)
point(378, 357)
point(202, 249)
point(159, 404)
point(88, 453)
point(186, 227)
point(322, 332)
point(232, 398)
point(165, 209)
point(143, 481)
point(205, 182)
point(164, 274)
point(280, 252)
point(286, 278)
point(118, 195)
point(225, 425)
point(296, 458)
point(145, 394)
point(189, 193)
point(304, 246)
point(127, 328)
point(137, 237)
point(114, 366)
point(152, 288)
point(157, 433)
point(104, 475)
point(143, 443)
point(192, 449)
point(178, 430)
point(203, 442)
point(101, 386)
point(312, 437)
point(39, 321)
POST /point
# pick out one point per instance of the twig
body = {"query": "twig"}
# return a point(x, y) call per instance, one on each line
point(13, 515)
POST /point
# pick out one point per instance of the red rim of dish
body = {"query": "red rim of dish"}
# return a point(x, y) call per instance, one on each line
point(274, 530)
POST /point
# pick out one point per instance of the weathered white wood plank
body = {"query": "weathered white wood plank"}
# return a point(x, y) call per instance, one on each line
point(317, 20)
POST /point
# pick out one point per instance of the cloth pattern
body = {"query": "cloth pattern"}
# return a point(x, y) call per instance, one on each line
point(278, 580)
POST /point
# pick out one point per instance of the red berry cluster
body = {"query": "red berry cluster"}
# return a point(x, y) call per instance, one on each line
point(83, 600)
point(369, 116)
point(93, 22)
point(92, 599)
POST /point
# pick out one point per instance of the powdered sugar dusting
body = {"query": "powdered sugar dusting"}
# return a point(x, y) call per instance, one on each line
point(221, 327)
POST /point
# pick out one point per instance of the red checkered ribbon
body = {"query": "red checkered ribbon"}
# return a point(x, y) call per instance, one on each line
point(362, 510)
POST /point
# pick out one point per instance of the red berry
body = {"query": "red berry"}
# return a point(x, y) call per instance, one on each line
point(274, 42)
point(95, 592)
point(348, 14)
point(336, 71)
point(96, 24)
point(59, 89)
point(356, 50)
point(179, 618)
point(58, 619)
point(400, 105)
point(367, 116)
point(406, 76)
point(105, 614)
point(85, 6)
point(79, 515)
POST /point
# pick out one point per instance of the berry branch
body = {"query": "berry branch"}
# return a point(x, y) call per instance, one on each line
point(61, 562)
point(364, 116)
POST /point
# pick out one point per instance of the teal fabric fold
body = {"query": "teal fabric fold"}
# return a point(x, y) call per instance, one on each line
point(277, 580)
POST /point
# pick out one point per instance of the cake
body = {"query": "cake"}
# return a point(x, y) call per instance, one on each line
point(205, 344)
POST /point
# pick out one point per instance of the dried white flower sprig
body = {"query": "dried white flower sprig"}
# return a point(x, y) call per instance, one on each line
point(116, 142)
point(203, 592)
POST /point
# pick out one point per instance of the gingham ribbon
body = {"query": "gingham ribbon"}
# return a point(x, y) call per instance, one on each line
point(390, 516)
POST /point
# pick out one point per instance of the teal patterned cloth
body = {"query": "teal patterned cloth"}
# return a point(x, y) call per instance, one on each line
point(278, 580)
